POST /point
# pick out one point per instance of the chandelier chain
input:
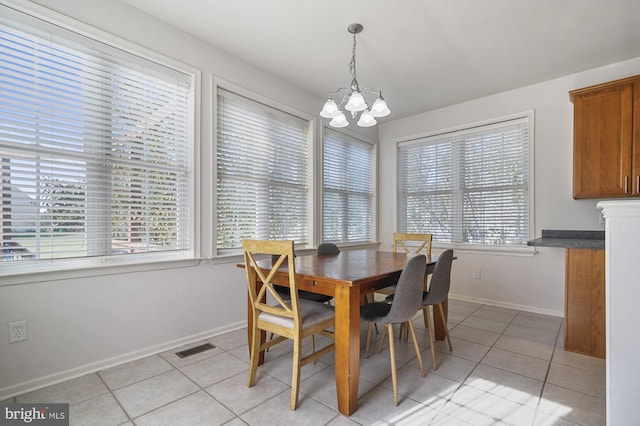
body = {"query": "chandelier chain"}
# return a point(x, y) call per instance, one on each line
point(352, 66)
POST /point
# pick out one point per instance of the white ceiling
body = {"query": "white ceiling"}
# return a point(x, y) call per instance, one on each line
point(422, 54)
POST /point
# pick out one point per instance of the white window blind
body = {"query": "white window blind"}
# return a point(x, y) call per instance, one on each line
point(468, 187)
point(96, 149)
point(348, 189)
point(263, 173)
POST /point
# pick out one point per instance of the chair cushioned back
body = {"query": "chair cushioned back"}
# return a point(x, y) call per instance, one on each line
point(408, 295)
point(328, 248)
point(440, 280)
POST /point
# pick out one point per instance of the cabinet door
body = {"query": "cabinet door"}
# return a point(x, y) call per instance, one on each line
point(602, 142)
point(584, 322)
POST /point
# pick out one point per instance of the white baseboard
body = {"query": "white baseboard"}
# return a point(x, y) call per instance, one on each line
point(491, 302)
point(52, 379)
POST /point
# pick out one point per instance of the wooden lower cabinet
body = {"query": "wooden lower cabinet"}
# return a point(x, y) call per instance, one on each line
point(584, 327)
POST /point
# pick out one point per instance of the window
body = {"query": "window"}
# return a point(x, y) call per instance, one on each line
point(96, 150)
point(348, 189)
point(468, 186)
point(263, 173)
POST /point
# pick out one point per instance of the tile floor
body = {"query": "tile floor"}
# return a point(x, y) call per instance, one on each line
point(507, 367)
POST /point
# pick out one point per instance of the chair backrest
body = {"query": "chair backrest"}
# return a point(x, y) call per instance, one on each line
point(282, 253)
point(328, 248)
point(407, 298)
point(399, 240)
point(440, 279)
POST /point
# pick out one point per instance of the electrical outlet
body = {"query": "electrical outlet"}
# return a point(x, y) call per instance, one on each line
point(17, 331)
point(476, 274)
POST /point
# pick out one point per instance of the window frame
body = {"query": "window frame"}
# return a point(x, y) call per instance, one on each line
point(43, 19)
point(374, 186)
point(231, 255)
point(513, 249)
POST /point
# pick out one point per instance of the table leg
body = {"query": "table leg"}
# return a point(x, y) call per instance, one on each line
point(347, 347)
point(439, 326)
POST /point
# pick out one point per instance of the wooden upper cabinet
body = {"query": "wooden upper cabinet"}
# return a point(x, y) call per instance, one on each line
point(606, 144)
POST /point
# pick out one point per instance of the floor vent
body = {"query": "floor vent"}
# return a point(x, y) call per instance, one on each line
point(195, 350)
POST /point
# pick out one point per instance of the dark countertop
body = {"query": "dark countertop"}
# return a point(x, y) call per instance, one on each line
point(569, 239)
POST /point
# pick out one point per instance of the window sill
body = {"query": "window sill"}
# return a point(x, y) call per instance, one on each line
point(108, 266)
point(521, 251)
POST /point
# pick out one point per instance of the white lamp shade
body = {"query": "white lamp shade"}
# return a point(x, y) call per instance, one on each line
point(330, 109)
point(356, 102)
point(339, 121)
point(366, 119)
point(380, 108)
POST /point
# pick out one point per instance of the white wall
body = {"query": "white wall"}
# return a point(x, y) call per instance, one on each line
point(77, 325)
point(534, 283)
point(84, 324)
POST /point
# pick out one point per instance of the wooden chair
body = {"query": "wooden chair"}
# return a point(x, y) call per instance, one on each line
point(438, 292)
point(400, 241)
point(292, 319)
point(285, 292)
point(406, 303)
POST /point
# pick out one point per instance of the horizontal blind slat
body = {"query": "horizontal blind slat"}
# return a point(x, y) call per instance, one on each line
point(469, 186)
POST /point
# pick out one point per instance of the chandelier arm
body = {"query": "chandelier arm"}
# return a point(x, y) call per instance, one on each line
point(342, 101)
point(375, 92)
point(332, 94)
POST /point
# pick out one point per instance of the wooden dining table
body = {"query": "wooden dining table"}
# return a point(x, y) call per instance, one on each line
point(346, 276)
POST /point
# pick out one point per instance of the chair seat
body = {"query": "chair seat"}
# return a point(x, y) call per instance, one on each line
point(285, 293)
point(314, 297)
point(311, 312)
point(374, 312)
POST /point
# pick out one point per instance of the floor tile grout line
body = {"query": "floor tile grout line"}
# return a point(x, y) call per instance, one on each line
point(535, 411)
point(113, 395)
point(546, 377)
point(406, 362)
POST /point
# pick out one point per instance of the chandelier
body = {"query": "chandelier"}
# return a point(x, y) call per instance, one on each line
point(353, 99)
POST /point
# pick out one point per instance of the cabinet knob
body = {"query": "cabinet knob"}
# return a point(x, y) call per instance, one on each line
point(626, 184)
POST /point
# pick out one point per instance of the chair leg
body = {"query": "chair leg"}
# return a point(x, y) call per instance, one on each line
point(295, 373)
point(369, 298)
point(446, 327)
point(384, 333)
point(392, 355)
point(415, 345)
point(369, 330)
point(431, 335)
point(255, 354)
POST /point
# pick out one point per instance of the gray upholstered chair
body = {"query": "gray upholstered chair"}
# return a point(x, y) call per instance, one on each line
point(328, 248)
point(407, 301)
point(438, 292)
